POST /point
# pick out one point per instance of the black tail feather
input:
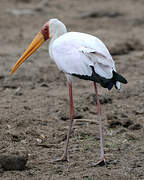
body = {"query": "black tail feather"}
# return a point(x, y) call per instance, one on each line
point(118, 77)
point(106, 83)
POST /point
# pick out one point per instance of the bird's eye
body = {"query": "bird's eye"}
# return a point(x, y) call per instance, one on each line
point(45, 28)
point(45, 31)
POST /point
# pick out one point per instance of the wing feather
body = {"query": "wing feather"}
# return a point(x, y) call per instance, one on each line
point(97, 56)
point(74, 53)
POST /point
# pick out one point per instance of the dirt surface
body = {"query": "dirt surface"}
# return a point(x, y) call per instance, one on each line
point(34, 108)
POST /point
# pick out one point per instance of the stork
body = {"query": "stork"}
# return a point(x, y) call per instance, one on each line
point(81, 55)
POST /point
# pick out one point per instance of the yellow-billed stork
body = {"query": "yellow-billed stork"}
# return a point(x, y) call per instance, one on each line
point(81, 55)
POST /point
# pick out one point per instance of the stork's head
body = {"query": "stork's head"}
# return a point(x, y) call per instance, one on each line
point(52, 28)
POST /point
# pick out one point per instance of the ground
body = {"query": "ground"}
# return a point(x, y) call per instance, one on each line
point(34, 108)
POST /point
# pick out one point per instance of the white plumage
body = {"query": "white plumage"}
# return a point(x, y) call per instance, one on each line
point(75, 52)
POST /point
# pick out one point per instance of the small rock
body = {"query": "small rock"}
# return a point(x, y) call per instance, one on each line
point(13, 162)
point(18, 92)
point(39, 140)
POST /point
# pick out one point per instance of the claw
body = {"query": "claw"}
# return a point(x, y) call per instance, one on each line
point(62, 159)
point(101, 162)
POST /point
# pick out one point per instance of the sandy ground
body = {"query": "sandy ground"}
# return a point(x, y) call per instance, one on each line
point(34, 108)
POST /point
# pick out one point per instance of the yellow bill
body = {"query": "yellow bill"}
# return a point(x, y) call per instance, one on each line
point(35, 44)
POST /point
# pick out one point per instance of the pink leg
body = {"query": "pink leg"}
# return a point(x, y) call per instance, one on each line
point(102, 159)
point(65, 155)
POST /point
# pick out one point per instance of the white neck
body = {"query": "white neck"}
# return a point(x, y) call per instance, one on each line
point(55, 36)
point(56, 31)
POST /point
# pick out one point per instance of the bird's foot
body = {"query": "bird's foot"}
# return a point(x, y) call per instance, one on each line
point(101, 162)
point(62, 159)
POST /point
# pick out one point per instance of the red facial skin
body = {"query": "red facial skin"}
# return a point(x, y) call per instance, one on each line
point(45, 31)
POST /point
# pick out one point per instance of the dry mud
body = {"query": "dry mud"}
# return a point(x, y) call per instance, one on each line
point(34, 108)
